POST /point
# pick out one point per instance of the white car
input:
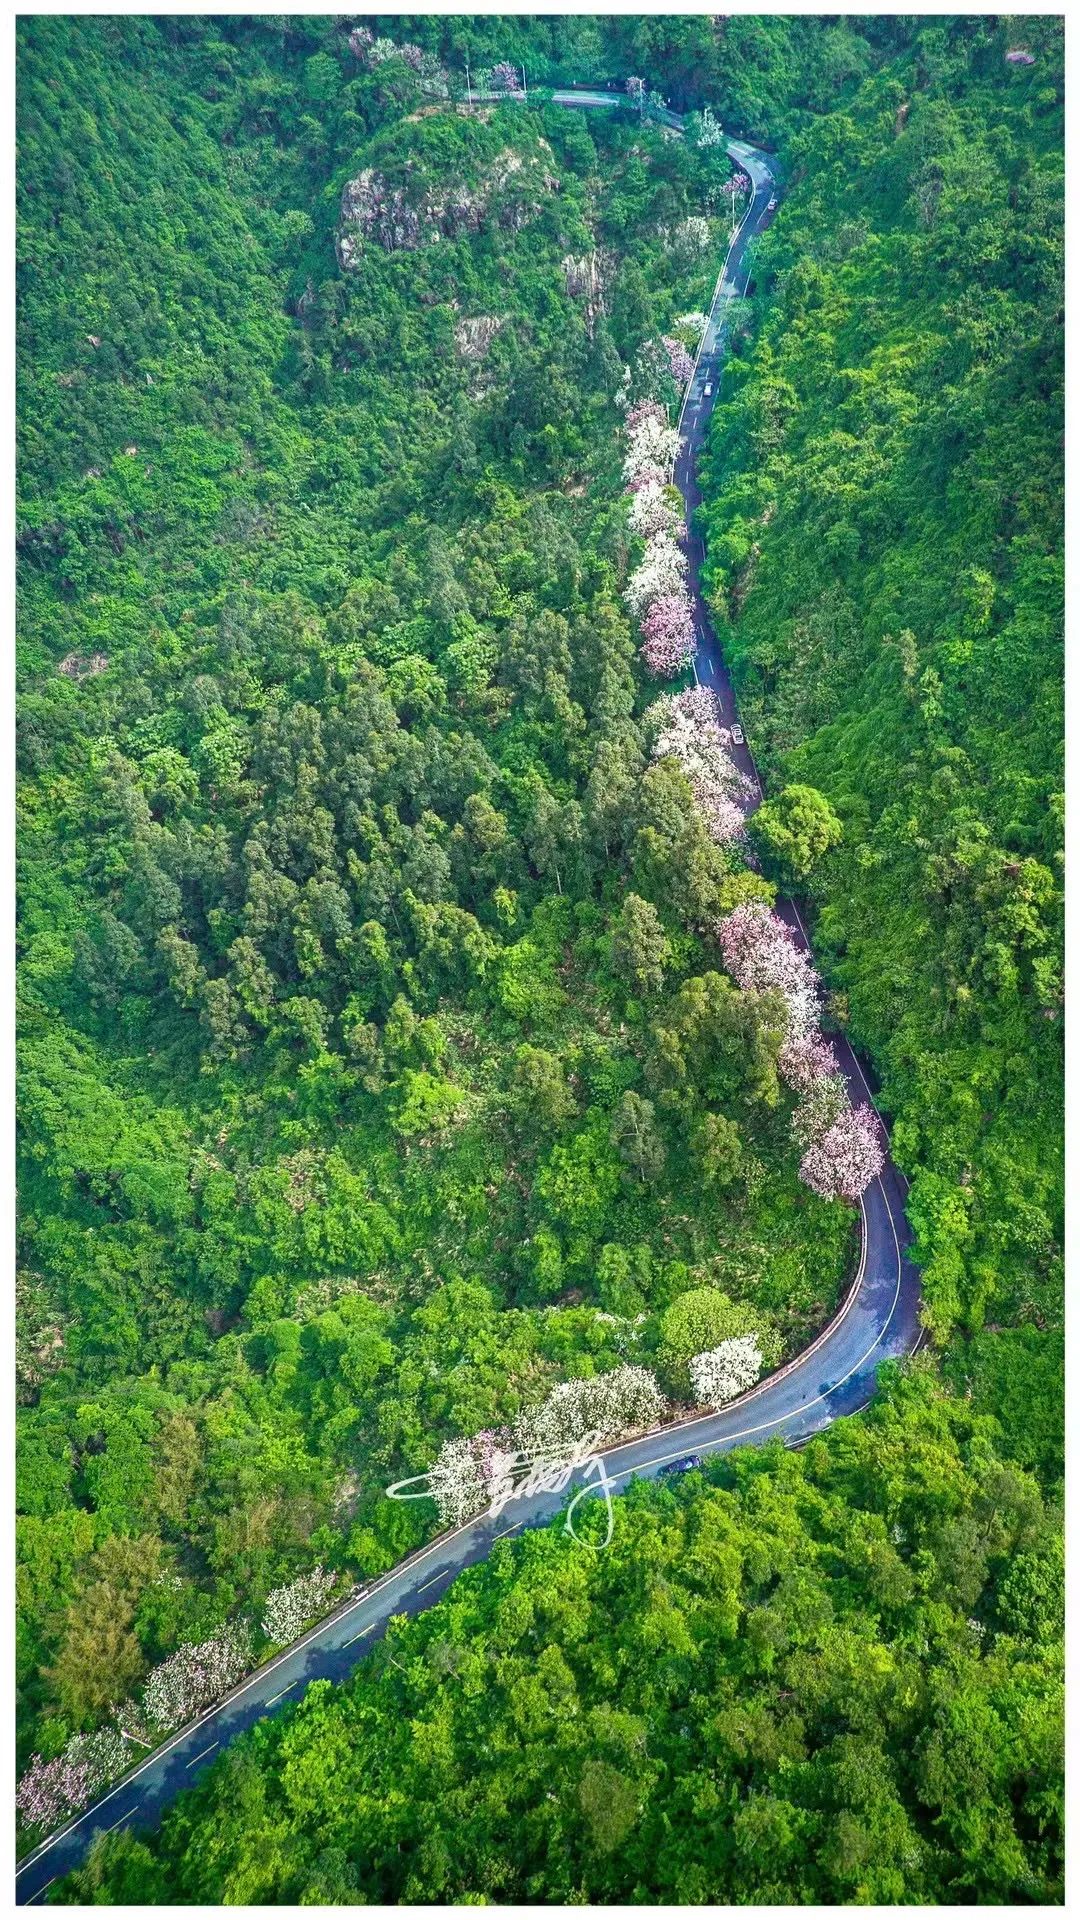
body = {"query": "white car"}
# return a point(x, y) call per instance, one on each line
point(738, 736)
point(708, 388)
point(771, 208)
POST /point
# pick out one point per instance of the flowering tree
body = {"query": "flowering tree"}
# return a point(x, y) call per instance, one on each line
point(693, 324)
point(643, 410)
point(820, 1106)
point(635, 87)
point(288, 1609)
point(194, 1676)
point(759, 953)
point(725, 1371)
point(50, 1791)
point(662, 571)
point(806, 1060)
point(651, 451)
point(841, 1163)
point(668, 634)
point(625, 1400)
point(709, 131)
point(680, 362)
point(466, 1473)
point(504, 77)
point(462, 1474)
point(656, 509)
point(689, 732)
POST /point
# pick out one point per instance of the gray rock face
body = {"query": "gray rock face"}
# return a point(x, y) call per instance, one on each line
point(586, 277)
point(473, 336)
point(400, 219)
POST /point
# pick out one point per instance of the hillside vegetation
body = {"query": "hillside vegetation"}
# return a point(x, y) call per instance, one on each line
point(371, 1081)
point(380, 1066)
point(884, 521)
point(824, 1677)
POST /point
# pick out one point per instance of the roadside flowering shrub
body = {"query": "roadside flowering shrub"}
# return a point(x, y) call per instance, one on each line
point(806, 1060)
point(662, 571)
point(651, 453)
point(643, 410)
point(689, 731)
point(759, 953)
point(194, 1676)
point(50, 1791)
point(668, 635)
point(820, 1106)
point(843, 1146)
point(289, 1609)
point(466, 1472)
point(656, 509)
point(610, 1404)
point(461, 1475)
point(841, 1163)
point(725, 1371)
point(504, 77)
point(680, 362)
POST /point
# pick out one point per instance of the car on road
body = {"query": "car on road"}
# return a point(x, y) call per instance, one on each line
point(738, 736)
point(686, 1465)
point(708, 388)
point(771, 208)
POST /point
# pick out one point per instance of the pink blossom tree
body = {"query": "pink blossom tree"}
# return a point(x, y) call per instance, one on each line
point(688, 730)
point(651, 451)
point(668, 636)
point(679, 361)
point(656, 509)
point(50, 1791)
point(841, 1163)
point(759, 953)
point(643, 410)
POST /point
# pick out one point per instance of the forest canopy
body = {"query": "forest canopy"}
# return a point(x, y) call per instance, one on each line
point(380, 1068)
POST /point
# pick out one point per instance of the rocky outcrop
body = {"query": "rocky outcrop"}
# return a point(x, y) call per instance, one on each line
point(402, 218)
point(82, 666)
point(587, 277)
point(474, 335)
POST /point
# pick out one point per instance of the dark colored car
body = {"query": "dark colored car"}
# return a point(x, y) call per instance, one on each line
point(686, 1465)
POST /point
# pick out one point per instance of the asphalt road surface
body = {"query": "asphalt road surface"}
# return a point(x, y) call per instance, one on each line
point(879, 1319)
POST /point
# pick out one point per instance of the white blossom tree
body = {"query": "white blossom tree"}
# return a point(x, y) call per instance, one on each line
point(195, 1676)
point(725, 1371)
point(289, 1609)
point(688, 730)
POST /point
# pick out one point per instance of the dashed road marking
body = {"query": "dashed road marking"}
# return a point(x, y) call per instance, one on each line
point(203, 1754)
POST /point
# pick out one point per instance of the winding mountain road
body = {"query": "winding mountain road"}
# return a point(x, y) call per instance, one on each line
point(878, 1320)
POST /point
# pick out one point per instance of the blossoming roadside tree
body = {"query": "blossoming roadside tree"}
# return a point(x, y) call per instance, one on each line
point(689, 730)
point(624, 1400)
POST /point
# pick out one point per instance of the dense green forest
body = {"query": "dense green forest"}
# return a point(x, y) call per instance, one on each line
point(818, 1677)
point(366, 1090)
point(884, 520)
